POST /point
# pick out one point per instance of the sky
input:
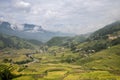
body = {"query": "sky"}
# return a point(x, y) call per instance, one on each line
point(70, 16)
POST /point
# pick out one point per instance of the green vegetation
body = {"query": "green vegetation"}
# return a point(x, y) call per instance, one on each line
point(67, 65)
point(6, 72)
point(62, 58)
point(104, 60)
point(13, 42)
point(36, 42)
point(57, 41)
point(103, 32)
point(64, 41)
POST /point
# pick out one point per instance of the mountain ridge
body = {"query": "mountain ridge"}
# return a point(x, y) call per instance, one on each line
point(29, 31)
point(14, 42)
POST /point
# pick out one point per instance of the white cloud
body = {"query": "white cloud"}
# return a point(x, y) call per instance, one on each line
point(21, 4)
point(18, 27)
point(77, 16)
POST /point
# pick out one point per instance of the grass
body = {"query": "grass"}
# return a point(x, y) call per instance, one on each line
point(103, 60)
point(99, 75)
point(103, 65)
point(54, 75)
point(25, 78)
point(93, 75)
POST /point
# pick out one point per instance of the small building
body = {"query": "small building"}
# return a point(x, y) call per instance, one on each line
point(110, 37)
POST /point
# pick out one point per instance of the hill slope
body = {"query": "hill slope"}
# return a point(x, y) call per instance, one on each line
point(104, 60)
point(103, 38)
point(60, 41)
point(108, 29)
point(13, 42)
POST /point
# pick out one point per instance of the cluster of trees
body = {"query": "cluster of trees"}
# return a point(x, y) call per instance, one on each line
point(7, 60)
point(95, 45)
point(115, 41)
point(24, 61)
point(69, 59)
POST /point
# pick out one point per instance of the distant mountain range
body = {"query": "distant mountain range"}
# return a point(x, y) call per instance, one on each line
point(29, 31)
point(107, 36)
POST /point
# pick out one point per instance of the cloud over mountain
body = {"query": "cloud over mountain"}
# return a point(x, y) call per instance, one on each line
point(76, 16)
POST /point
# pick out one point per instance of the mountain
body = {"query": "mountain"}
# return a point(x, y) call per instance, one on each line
point(103, 38)
point(57, 41)
point(35, 42)
point(29, 31)
point(112, 28)
point(7, 41)
point(60, 41)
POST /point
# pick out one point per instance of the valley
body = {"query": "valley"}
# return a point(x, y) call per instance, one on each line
point(85, 57)
point(59, 40)
point(64, 65)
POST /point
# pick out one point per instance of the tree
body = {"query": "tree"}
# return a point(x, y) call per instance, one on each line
point(6, 72)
